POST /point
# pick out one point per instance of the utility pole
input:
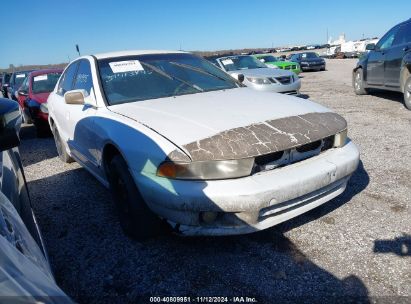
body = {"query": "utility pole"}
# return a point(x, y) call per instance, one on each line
point(327, 36)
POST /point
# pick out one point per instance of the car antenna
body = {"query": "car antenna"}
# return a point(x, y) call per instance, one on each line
point(78, 50)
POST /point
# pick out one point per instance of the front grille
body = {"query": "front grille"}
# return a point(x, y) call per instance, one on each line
point(290, 156)
point(293, 67)
point(288, 67)
point(284, 79)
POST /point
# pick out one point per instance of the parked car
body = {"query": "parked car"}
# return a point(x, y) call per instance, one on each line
point(176, 138)
point(24, 269)
point(387, 65)
point(16, 80)
point(272, 61)
point(5, 82)
point(32, 97)
point(258, 76)
point(309, 61)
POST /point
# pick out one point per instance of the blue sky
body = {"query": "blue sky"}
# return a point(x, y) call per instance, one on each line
point(46, 31)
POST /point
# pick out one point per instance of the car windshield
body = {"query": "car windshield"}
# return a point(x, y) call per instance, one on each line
point(309, 55)
point(19, 78)
point(134, 78)
point(44, 83)
point(234, 63)
point(268, 58)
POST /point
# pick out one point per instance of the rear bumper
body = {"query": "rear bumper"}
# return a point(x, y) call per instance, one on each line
point(252, 203)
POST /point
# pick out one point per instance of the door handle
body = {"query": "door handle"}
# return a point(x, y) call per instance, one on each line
point(406, 48)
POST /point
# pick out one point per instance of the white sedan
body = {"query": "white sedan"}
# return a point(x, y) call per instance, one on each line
point(259, 76)
point(182, 143)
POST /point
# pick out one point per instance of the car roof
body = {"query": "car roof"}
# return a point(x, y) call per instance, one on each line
point(134, 53)
point(45, 71)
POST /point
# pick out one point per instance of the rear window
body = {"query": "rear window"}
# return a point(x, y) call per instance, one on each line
point(44, 83)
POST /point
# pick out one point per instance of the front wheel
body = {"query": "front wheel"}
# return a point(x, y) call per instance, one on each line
point(136, 219)
point(358, 83)
point(407, 93)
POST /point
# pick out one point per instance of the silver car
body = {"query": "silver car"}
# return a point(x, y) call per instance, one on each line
point(258, 76)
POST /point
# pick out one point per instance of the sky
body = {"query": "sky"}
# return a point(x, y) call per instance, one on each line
point(46, 31)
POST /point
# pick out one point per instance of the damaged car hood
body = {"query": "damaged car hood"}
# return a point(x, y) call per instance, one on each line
point(234, 123)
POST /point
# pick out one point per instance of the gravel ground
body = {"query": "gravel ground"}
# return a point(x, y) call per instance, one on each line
point(354, 246)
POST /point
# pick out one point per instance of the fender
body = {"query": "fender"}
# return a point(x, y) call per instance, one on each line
point(405, 69)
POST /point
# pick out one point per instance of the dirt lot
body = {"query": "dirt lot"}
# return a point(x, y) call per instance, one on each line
point(358, 245)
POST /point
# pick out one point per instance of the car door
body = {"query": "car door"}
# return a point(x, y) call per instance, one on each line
point(79, 121)
point(376, 59)
point(395, 54)
point(58, 104)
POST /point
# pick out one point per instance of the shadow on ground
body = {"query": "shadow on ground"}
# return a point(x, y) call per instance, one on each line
point(95, 263)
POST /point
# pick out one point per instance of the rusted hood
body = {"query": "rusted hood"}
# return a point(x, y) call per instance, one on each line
point(188, 118)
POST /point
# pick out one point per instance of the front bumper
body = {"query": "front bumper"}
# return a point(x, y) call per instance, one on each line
point(252, 203)
point(311, 67)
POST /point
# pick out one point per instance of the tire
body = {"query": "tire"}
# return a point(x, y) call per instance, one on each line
point(358, 83)
point(42, 130)
point(407, 93)
point(136, 219)
point(61, 150)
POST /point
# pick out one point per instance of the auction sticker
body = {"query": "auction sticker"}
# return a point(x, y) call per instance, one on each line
point(40, 78)
point(227, 61)
point(126, 66)
point(20, 75)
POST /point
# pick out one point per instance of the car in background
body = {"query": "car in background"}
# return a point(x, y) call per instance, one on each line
point(272, 61)
point(258, 76)
point(309, 61)
point(176, 138)
point(5, 82)
point(32, 97)
point(16, 80)
point(387, 65)
point(24, 269)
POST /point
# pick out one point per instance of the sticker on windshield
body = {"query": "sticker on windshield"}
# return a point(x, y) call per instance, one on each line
point(227, 61)
point(20, 75)
point(304, 55)
point(40, 78)
point(126, 66)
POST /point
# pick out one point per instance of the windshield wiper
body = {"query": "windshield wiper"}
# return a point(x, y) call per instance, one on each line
point(164, 74)
point(197, 70)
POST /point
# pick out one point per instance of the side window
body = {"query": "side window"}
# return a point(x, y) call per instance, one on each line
point(387, 40)
point(83, 79)
point(404, 35)
point(66, 81)
point(25, 85)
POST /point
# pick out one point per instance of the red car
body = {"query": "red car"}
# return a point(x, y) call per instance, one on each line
point(33, 95)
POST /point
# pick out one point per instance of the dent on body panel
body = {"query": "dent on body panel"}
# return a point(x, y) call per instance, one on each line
point(263, 138)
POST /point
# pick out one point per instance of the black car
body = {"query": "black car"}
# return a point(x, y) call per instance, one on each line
point(25, 272)
point(5, 82)
point(309, 61)
point(387, 65)
point(16, 80)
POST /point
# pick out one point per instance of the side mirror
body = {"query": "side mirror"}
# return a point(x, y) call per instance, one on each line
point(10, 122)
point(240, 78)
point(370, 47)
point(22, 93)
point(75, 97)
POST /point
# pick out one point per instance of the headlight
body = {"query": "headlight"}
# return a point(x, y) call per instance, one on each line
point(256, 80)
point(44, 108)
point(203, 170)
point(340, 139)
